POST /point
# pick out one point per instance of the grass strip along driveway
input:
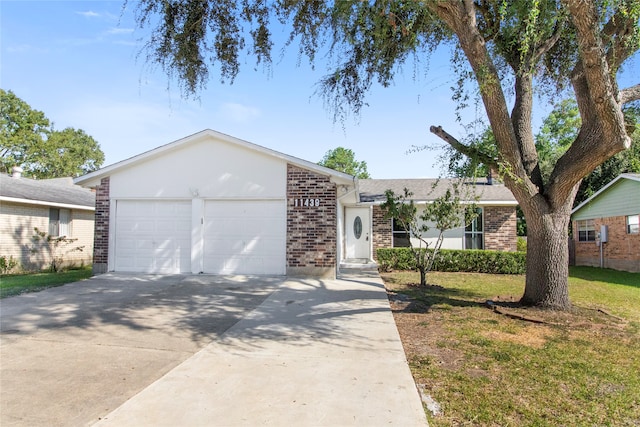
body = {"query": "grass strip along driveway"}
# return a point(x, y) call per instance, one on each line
point(578, 368)
point(16, 284)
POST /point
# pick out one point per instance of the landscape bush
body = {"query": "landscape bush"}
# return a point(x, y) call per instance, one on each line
point(450, 260)
point(521, 244)
point(7, 264)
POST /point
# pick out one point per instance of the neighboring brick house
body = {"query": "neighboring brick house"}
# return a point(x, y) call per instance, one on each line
point(55, 206)
point(616, 207)
point(493, 229)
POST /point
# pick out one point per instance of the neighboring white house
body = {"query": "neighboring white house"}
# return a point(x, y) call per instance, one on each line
point(55, 206)
point(211, 203)
point(615, 209)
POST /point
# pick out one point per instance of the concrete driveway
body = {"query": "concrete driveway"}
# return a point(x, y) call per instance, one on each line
point(204, 350)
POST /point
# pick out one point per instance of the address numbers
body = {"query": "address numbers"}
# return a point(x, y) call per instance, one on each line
point(307, 203)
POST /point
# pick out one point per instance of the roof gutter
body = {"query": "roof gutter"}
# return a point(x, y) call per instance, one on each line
point(43, 203)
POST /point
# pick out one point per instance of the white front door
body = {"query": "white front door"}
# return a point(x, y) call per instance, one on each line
point(358, 233)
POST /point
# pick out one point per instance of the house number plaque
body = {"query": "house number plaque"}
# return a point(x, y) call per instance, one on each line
point(307, 203)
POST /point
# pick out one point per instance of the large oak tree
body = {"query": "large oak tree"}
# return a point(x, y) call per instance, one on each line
point(506, 48)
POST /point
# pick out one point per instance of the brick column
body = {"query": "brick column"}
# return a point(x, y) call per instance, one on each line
point(500, 233)
point(101, 228)
point(382, 231)
point(311, 224)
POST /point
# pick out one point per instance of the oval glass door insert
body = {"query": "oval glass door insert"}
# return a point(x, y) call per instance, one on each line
point(357, 227)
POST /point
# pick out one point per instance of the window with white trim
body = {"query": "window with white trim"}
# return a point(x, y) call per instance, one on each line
point(400, 235)
point(586, 230)
point(59, 222)
point(474, 231)
point(633, 224)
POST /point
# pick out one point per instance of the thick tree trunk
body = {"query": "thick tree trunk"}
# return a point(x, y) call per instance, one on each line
point(547, 281)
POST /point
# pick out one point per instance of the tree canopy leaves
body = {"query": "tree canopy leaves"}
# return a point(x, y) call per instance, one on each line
point(28, 140)
point(344, 160)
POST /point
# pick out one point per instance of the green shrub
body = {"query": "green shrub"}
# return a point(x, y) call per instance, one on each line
point(55, 248)
point(471, 261)
point(521, 244)
point(7, 264)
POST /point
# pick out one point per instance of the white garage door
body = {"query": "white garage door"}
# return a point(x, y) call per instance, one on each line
point(244, 237)
point(153, 236)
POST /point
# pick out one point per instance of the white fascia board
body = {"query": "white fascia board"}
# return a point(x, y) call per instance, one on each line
point(93, 178)
point(44, 203)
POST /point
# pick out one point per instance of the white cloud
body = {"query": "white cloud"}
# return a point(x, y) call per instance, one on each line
point(239, 113)
point(89, 14)
point(118, 31)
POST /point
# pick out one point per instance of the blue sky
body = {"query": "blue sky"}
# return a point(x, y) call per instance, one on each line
point(77, 62)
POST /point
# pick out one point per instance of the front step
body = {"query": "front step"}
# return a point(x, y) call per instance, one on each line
point(358, 264)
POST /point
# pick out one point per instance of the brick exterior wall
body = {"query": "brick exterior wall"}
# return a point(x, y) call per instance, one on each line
point(500, 233)
point(382, 231)
point(621, 252)
point(17, 223)
point(101, 233)
point(311, 230)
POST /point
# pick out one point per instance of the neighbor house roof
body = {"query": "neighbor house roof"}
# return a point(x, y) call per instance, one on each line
point(93, 178)
point(58, 192)
point(425, 190)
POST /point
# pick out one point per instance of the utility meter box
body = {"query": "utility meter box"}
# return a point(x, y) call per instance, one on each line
point(604, 233)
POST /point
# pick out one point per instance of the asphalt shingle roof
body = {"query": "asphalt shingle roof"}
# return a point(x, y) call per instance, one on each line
point(58, 190)
point(372, 190)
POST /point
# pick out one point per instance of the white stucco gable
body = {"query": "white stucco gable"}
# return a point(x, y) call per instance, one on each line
point(209, 164)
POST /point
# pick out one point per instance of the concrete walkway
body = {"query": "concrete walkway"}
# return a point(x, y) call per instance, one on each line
point(314, 353)
point(144, 350)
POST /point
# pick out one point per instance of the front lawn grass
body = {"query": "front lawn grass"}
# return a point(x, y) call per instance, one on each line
point(11, 285)
point(578, 368)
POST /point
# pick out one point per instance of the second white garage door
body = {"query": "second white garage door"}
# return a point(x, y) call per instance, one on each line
point(245, 237)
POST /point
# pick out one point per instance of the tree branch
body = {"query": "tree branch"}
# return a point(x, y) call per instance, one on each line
point(460, 17)
point(550, 42)
point(600, 86)
point(603, 131)
point(630, 94)
point(620, 29)
point(468, 151)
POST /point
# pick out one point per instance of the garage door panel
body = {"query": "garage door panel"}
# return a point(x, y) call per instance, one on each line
point(244, 237)
point(153, 236)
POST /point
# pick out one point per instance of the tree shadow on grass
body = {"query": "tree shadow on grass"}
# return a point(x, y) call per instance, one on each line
point(421, 299)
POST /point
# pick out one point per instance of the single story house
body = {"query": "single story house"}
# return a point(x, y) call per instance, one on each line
point(212, 203)
point(494, 228)
point(54, 206)
point(606, 226)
